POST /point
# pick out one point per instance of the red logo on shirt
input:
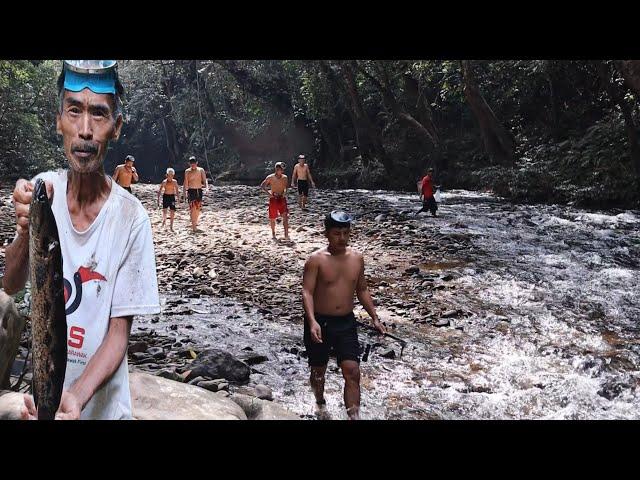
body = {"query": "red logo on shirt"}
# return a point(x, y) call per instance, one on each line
point(83, 275)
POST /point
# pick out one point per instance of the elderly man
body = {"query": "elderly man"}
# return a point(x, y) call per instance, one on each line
point(107, 247)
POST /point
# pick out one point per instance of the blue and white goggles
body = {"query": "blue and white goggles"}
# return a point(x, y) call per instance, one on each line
point(99, 76)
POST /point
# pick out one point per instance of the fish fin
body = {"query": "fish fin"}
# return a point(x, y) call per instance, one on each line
point(35, 393)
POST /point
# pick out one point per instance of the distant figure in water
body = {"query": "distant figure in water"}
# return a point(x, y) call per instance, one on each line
point(195, 180)
point(171, 193)
point(331, 276)
point(425, 188)
point(275, 185)
point(301, 178)
point(126, 174)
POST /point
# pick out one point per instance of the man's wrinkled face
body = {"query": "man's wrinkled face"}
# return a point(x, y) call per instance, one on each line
point(87, 124)
point(338, 237)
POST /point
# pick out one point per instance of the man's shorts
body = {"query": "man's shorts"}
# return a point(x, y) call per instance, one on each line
point(303, 187)
point(429, 203)
point(195, 197)
point(277, 205)
point(168, 201)
point(339, 334)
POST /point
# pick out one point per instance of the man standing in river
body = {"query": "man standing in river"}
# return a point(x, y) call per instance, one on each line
point(170, 194)
point(331, 277)
point(425, 188)
point(301, 178)
point(275, 185)
point(195, 180)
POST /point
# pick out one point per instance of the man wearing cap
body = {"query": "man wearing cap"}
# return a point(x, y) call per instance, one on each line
point(331, 277)
point(107, 248)
point(195, 179)
point(126, 174)
point(170, 193)
point(275, 185)
point(301, 178)
point(425, 188)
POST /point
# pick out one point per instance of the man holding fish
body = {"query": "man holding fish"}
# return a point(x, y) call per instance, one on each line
point(108, 263)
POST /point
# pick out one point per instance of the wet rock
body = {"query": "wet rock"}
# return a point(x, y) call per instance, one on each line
point(443, 322)
point(214, 385)
point(216, 363)
point(390, 353)
point(138, 347)
point(264, 392)
point(137, 356)
point(612, 389)
point(412, 270)
point(257, 409)
point(157, 352)
point(169, 374)
point(157, 398)
point(254, 359)
point(450, 314)
point(196, 380)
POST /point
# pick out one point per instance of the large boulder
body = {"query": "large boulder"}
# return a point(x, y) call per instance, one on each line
point(257, 409)
point(216, 363)
point(157, 398)
point(11, 325)
point(10, 405)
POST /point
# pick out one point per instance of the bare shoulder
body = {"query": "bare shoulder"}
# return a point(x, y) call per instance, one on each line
point(164, 182)
point(355, 253)
point(284, 176)
point(316, 257)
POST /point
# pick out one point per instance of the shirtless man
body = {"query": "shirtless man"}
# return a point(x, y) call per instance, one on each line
point(171, 193)
point(194, 181)
point(300, 173)
point(125, 174)
point(275, 185)
point(331, 276)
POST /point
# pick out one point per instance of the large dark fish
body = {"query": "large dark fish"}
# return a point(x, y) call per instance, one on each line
point(48, 319)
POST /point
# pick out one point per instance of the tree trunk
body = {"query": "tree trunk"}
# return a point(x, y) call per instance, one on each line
point(617, 97)
point(369, 140)
point(11, 326)
point(553, 101)
point(498, 142)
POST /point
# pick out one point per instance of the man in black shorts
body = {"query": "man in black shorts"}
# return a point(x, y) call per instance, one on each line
point(195, 181)
point(302, 176)
point(331, 276)
point(169, 190)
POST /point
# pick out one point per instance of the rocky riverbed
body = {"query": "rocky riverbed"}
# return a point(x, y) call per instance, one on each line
point(508, 311)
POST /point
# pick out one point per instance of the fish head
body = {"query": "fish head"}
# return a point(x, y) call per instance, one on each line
point(42, 225)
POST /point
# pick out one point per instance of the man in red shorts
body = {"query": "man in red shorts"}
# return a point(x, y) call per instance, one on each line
point(275, 185)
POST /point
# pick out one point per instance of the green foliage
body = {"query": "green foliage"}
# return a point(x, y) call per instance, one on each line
point(28, 142)
point(571, 142)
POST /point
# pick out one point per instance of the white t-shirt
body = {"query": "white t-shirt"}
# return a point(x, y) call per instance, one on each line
point(109, 271)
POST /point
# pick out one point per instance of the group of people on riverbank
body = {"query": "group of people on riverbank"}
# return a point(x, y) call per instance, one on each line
point(104, 228)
